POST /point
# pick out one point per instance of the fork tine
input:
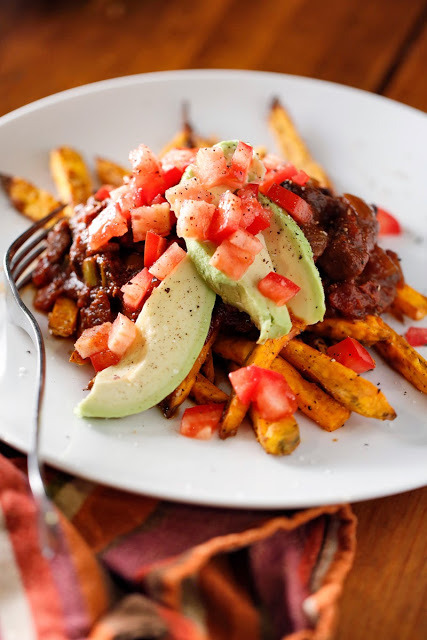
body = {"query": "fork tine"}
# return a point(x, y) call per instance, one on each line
point(26, 248)
point(20, 268)
point(29, 232)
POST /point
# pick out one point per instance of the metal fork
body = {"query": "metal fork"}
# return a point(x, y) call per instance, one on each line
point(17, 265)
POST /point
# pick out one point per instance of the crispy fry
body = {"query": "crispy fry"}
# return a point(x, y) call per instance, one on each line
point(109, 172)
point(261, 151)
point(278, 438)
point(32, 202)
point(208, 367)
point(348, 388)
point(292, 145)
point(410, 302)
point(396, 312)
point(63, 317)
point(187, 138)
point(174, 400)
point(77, 359)
point(204, 392)
point(403, 358)
point(261, 355)
point(71, 175)
point(312, 401)
point(370, 330)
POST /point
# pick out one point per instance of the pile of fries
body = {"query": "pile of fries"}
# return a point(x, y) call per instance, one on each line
point(326, 391)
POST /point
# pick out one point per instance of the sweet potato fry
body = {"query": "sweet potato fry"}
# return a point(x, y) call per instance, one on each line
point(208, 367)
point(292, 145)
point(109, 172)
point(346, 386)
point(278, 438)
point(405, 359)
point(32, 202)
point(312, 401)
point(174, 400)
point(204, 392)
point(261, 355)
point(370, 330)
point(410, 302)
point(71, 175)
point(187, 138)
point(63, 317)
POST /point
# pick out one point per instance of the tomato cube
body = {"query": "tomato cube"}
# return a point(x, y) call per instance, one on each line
point(188, 190)
point(155, 217)
point(351, 354)
point(226, 218)
point(179, 159)
point(416, 336)
point(147, 172)
point(122, 334)
point(104, 359)
point(241, 162)
point(153, 248)
point(136, 289)
point(246, 241)
point(93, 340)
point(298, 208)
point(103, 192)
point(278, 288)
point(167, 261)
point(109, 223)
point(274, 399)
point(388, 223)
point(301, 178)
point(277, 175)
point(231, 260)
point(200, 422)
point(211, 167)
point(245, 382)
point(260, 222)
point(194, 219)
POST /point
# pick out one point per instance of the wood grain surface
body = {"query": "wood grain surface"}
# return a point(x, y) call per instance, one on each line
point(377, 45)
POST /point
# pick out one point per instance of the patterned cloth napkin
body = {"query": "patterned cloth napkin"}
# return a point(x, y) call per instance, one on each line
point(136, 568)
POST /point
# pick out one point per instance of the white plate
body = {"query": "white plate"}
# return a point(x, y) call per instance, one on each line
point(371, 146)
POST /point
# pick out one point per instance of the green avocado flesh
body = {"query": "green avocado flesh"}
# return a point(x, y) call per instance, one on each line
point(271, 320)
point(292, 257)
point(172, 328)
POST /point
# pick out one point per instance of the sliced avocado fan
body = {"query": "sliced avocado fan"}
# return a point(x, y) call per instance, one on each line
point(172, 328)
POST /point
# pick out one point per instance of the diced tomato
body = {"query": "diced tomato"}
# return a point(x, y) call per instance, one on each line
point(245, 382)
point(172, 176)
point(274, 399)
point(153, 249)
point(278, 288)
point(108, 224)
point(416, 336)
point(147, 172)
point(351, 354)
point(277, 175)
point(273, 161)
point(178, 158)
point(195, 217)
point(240, 163)
point(388, 223)
point(298, 208)
point(159, 200)
point(211, 167)
point(301, 178)
point(93, 340)
point(155, 217)
point(231, 260)
point(200, 422)
point(254, 217)
point(227, 217)
point(261, 222)
point(246, 241)
point(122, 334)
point(137, 288)
point(188, 190)
point(103, 192)
point(104, 359)
point(119, 192)
point(167, 261)
point(268, 390)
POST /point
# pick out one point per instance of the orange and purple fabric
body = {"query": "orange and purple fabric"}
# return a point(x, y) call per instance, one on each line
point(134, 568)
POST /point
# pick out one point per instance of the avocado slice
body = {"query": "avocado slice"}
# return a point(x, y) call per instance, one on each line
point(271, 320)
point(172, 328)
point(292, 257)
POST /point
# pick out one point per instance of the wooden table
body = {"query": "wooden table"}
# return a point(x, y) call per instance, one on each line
point(379, 45)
